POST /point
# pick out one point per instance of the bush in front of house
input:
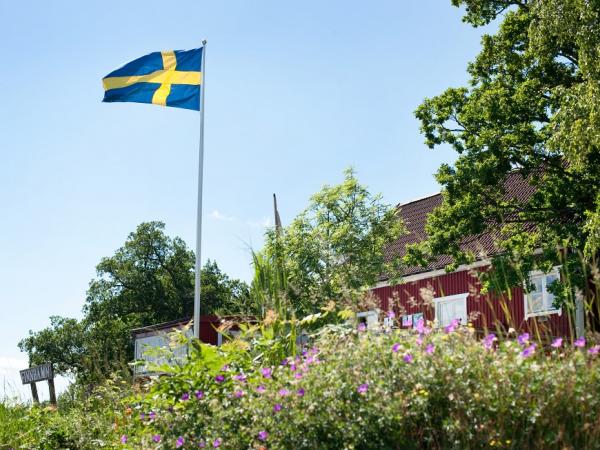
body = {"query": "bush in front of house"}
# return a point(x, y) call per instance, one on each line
point(386, 390)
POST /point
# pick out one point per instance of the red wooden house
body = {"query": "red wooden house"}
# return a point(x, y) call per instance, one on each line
point(437, 295)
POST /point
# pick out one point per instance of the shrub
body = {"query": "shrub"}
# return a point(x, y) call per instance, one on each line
point(387, 390)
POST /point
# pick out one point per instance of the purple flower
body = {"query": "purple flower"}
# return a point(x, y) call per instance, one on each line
point(185, 396)
point(408, 358)
point(219, 378)
point(260, 389)
point(396, 347)
point(391, 314)
point(429, 349)
point(450, 328)
point(240, 377)
point(300, 391)
point(263, 435)
point(277, 407)
point(266, 372)
point(557, 343)
point(293, 367)
point(283, 362)
point(201, 444)
point(284, 392)
point(225, 368)
point(217, 443)
point(152, 415)
point(123, 439)
point(199, 394)
point(579, 343)
point(142, 416)
point(297, 375)
point(238, 394)
point(156, 438)
point(310, 360)
point(488, 341)
point(363, 388)
point(419, 340)
point(362, 326)
point(180, 442)
point(523, 339)
point(594, 350)
point(420, 326)
point(528, 351)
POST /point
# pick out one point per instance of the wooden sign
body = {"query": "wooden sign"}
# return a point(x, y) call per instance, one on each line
point(39, 373)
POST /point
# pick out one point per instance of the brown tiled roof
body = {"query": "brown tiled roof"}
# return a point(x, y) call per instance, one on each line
point(414, 214)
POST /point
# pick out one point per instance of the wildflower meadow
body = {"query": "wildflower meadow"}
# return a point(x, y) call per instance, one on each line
point(350, 388)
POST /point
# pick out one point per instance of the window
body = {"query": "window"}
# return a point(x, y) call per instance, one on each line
point(539, 301)
point(451, 307)
point(369, 318)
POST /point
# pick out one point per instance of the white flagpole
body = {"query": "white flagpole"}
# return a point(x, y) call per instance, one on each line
point(199, 210)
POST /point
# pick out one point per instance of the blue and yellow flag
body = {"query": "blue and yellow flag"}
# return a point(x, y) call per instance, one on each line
point(169, 78)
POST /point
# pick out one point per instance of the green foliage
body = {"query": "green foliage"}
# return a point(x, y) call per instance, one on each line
point(148, 280)
point(86, 421)
point(531, 106)
point(442, 390)
point(336, 246)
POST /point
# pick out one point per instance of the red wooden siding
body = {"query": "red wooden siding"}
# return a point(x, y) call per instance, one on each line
point(485, 310)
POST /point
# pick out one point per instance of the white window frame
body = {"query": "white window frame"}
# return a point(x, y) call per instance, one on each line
point(536, 273)
point(371, 318)
point(450, 298)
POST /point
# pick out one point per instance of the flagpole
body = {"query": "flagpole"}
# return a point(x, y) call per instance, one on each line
point(198, 267)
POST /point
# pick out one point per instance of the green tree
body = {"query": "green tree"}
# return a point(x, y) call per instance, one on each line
point(531, 107)
point(149, 280)
point(335, 247)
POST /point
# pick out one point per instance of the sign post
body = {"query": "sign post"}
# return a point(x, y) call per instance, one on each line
point(39, 373)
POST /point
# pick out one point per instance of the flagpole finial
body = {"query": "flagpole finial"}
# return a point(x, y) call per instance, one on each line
point(204, 42)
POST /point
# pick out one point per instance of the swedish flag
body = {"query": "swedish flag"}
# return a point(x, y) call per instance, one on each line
point(168, 78)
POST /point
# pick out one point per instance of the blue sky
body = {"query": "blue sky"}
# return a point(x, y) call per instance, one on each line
point(296, 92)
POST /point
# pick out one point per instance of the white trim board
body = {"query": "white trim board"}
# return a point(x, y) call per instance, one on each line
point(433, 273)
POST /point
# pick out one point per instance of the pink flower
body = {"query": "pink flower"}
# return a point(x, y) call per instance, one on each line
point(579, 343)
point(391, 314)
point(419, 340)
point(363, 388)
point(266, 372)
point(263, 435)
point(523, 339)
point(217, 443)
point(557, 343)
point(260, 389)
point(180, 442)
point(429, 349)
point(284, 392)
point(488, 341)
point(238, 394)
point(277, 407)
point(396, 347)
point(450, 328)
point(156, 438)
point(123, 439)
point(408, 358)
point(528, 351)
point(297, 375)
point(362, 326)
point(594, 350)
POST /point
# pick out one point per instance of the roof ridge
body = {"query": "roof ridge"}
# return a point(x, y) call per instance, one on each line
point(418, 199)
